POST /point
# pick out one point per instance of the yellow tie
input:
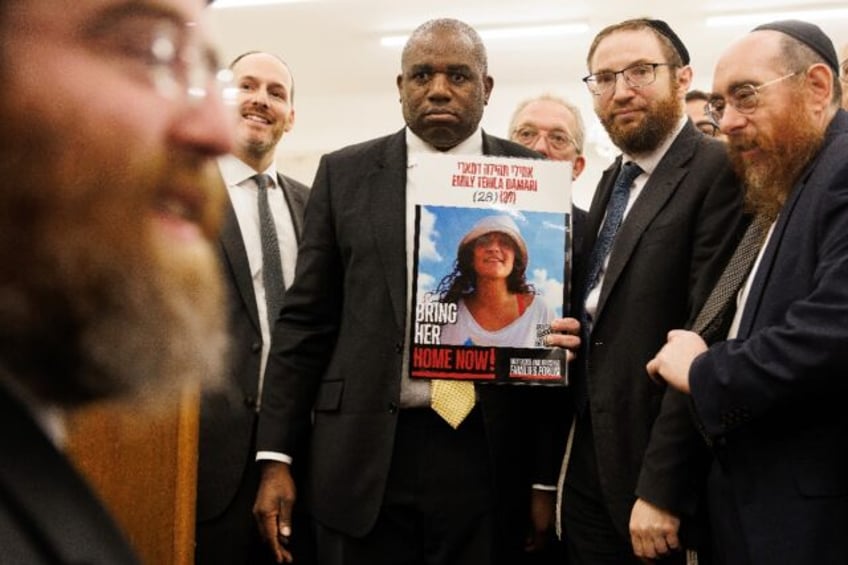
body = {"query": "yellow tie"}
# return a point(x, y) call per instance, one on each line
point(452, 400)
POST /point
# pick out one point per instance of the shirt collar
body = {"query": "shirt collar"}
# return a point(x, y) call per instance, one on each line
point(49, 417)
point(472, 145)
point(649, 161)
point(235, 171)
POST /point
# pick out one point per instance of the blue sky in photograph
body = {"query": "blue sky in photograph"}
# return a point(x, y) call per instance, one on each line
point(441, 228)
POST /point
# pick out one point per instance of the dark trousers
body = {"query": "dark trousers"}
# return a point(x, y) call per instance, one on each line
point(232, 538)
point(590, 535)
point(439, 505)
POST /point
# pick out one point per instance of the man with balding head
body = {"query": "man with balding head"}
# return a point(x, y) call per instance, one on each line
point(390, 479)
point(228, 474)
point(553, 127)
point(771, 398)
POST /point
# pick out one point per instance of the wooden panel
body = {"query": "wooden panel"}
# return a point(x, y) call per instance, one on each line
point(144, 466)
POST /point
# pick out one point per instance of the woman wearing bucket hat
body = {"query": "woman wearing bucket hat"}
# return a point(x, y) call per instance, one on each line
point(496, 306)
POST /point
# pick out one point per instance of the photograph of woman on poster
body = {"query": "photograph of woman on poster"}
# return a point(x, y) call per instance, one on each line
point(496, 305)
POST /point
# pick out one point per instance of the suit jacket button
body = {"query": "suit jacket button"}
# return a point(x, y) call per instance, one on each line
point(393, 408)
point(399, 347)
point(250, 402)
point(256, 347)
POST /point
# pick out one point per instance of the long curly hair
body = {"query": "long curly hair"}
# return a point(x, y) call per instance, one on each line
point(462, 281)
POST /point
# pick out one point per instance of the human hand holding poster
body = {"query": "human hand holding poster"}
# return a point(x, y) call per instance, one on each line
point(491, 268)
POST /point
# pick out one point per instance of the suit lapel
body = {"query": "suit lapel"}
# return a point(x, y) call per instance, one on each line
point(662, 183)
point(385, 189)
point(592, 225)
point(232, 246)
point(295, 202)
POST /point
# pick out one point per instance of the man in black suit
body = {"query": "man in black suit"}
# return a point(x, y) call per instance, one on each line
point(108, 208)
point(632, 475)
point(771, 397)
point(389, 481)
point(228, 475)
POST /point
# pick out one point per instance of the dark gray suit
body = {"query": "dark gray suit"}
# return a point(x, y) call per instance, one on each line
point(48, 514)
point(339, 344)
point(668, 252)
point(227, 473)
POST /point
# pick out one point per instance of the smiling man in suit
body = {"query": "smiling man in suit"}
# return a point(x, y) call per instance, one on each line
point(659, 230)
point(228, 474)
point(389, 481)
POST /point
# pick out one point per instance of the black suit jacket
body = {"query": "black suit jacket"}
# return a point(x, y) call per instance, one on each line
point(48, 514)
point(667, 254)
point(774, 398)
point(227, 420)
point(339, 344)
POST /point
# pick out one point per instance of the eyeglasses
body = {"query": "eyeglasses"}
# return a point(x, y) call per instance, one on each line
point(166, 52)
point(636, 76)
point(743, 98)
point(844, 76)
point(182, 67)
point(556, 138)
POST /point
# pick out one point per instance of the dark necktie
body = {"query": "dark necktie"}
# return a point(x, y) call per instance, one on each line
point(272, 266)
point(615, 212)
point(715, 313)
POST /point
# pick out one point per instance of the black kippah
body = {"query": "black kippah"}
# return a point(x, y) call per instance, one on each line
point(663, 28)
point(810, 35)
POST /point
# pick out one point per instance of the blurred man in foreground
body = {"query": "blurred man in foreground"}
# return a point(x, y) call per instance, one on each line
point(111, 123)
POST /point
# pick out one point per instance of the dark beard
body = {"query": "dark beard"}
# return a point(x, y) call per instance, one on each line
point(655, 128)
point(91, 305)
point(770, 179)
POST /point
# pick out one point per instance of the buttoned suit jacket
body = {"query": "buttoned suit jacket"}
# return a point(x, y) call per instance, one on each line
point(668, 252)
point(338, 348)
point(48, 514)
point(774, 398)
point(227, 419)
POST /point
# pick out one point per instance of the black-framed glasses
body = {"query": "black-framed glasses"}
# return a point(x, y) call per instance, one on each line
point(636, 76)
point(744, 98)
point(557, 139)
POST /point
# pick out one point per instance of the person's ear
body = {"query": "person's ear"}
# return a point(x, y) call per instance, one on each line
point(578, 166)
point(819, 85)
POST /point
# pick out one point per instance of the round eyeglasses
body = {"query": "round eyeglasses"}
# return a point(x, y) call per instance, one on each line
point(182, 67)
point(744, 98)
point(556, 138)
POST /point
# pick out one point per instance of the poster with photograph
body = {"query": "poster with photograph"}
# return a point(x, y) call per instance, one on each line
point(491, 268)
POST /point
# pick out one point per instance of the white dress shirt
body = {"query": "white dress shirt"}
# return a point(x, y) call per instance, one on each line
point(243, 195)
